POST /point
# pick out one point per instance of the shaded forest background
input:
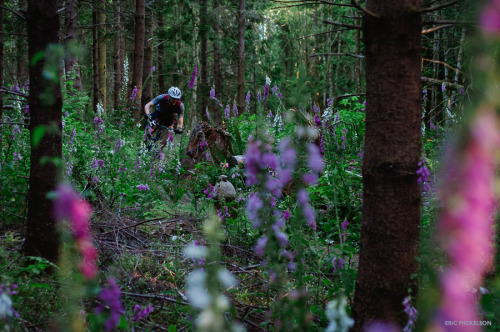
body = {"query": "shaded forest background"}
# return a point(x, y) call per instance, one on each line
point(342, 112)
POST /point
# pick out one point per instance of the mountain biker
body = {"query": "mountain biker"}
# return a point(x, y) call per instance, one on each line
point(169, 109)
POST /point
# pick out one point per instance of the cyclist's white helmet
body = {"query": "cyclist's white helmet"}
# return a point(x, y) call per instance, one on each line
point(174, 92)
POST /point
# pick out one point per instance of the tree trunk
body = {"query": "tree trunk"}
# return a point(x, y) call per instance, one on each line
point(203, 62)
point(217, 65)
point(2, 3)
point(95, 68)
point(43, 29)
point(136, 81)
point(101, 46)
point(240, 99)
point(21, 47)
point(118, 57)
point(147, 73)
point(71, 63)
point(161, 55)
point(393, 143)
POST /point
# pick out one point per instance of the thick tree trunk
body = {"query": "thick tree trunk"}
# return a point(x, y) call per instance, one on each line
point(240, 99)
point(95, 68)
point(147, 73)
point(161, 55)
point(204, 61)
point(118, 57)
point(217, 65)
point(136, 82)
point(43, 29)
point(101, 46)
point(21, 49)
point(393, 143)
point(71, 63)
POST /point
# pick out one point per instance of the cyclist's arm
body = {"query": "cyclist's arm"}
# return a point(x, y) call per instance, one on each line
point(181, 116)
point(147, 107)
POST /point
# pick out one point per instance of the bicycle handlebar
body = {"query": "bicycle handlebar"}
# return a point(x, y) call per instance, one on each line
point(153, 123)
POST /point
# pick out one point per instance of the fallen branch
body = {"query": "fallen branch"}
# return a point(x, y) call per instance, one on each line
point(439, 82)
point(156, 296)
point(442, 63)
point(137, 224)
point(436, 28)
point(10, 92)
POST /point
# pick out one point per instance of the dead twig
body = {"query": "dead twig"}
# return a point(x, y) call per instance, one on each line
point(156, 296)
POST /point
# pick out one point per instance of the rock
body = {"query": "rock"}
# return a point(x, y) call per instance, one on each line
point(225, 189)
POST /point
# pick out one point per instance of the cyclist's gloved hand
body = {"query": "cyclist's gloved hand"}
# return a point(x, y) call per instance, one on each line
point(178, 131)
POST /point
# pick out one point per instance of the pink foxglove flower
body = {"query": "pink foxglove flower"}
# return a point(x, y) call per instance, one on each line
point(466, 223)
point(69, 206)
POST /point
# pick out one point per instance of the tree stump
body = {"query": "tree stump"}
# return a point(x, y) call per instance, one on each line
point(207, 143)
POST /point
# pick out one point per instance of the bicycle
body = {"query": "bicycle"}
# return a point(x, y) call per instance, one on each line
point(154, 143)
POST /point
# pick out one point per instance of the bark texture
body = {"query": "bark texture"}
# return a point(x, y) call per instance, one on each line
point(147, 73)
point(43, 29)
point(136, 82)
point(220, 147)
point(217, 66)
point(71, 63)
point(240, 99)
point(203, 60)
point(393, 142)
point(2, 3)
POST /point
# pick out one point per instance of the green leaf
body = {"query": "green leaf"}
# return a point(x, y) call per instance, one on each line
point(37, 135)
point(37, 57)
point(172, 328)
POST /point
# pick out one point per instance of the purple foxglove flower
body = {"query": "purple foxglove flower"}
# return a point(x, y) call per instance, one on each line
point(310, 178)
point(317, 121)
point(282, 238)
point(266, 91)
point(310, 216)
point(315, 161)
point(303, 197)
point(286, 215)
point(111, 297)
point(142, 186)
point(344, 224)
point(490, 18)
point(288, 153)
point(285, 177)
point(261, 245)
point(193, 77)
point(247, 99)
point(270, 160)
point(212, 94)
